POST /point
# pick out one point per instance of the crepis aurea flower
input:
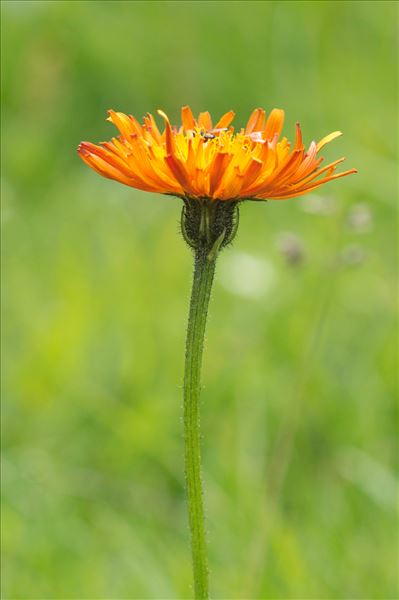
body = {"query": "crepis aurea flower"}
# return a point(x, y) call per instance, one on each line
point(205, 161)
point(213, 169)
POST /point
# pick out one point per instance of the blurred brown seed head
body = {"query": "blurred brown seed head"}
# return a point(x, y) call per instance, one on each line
point(291, 247)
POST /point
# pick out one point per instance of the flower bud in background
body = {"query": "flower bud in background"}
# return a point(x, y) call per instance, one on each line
point(291, 248)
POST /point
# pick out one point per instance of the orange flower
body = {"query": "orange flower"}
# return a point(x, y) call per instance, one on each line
point(199, 160)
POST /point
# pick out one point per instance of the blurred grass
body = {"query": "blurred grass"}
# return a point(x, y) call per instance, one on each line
point(299, 414)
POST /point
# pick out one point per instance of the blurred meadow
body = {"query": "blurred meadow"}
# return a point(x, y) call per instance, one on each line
point(299, 416)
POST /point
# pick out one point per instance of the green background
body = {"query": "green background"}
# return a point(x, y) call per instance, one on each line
point(298, 412)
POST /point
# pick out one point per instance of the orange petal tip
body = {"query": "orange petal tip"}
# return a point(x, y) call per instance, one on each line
point(163, 115)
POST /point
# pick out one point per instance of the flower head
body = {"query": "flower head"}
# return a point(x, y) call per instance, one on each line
point(206, 161)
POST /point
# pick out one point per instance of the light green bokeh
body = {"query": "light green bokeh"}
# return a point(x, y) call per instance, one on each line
point(298, 414)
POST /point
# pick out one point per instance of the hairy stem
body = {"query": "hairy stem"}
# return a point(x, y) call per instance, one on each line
point(204, 269)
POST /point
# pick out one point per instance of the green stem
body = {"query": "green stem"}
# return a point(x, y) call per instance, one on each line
point(204, 269)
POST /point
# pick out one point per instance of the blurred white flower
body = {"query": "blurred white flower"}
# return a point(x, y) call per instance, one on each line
point(353, 255)
point(360, 218)
point(246, 275)
point(319, 205)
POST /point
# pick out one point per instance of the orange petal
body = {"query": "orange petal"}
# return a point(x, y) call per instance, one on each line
point(327, 139)
point(251, 174)
point(152, 127)
point(187, 118)
point(301, 191)
point(170, 141)
point(180, 173)
point(122, 122)
point(256, 119)
point(109, 157)
point(308, 163)
point(298, 137)
point(107, 170)
point(204, 120)
point(225, 120)
point(329, 168)
point(217, 170)
point(274, 123)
